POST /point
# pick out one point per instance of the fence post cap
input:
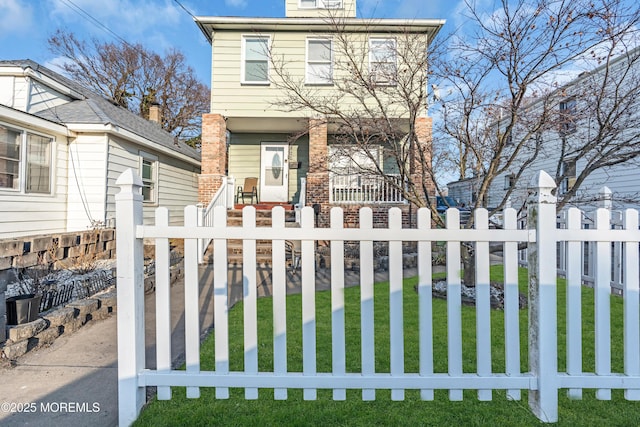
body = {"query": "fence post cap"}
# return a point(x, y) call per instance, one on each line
point(541, 188)
point(129, 178)
point(542, 180)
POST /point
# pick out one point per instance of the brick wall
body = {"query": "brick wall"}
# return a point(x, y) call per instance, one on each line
point(421, 157)
point(214, 156)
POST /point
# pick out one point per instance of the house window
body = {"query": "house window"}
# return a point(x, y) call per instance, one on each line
point(25, 161)
point(568, 112)
point(320, 4)
point(509, 181)
point(149, 173)
point(568, 173)
point(38, 164)
point(255, 60)
point(319, 61)
point(382, 61)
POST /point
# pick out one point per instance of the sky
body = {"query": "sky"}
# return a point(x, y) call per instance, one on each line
point(159, 25)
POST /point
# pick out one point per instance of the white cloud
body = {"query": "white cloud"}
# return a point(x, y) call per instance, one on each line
point(15, 16)
point(236, 3)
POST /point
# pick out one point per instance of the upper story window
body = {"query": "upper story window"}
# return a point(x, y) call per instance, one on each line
point(25, 161)
point(382, 61)
point(509, 181)
point(568, 172)
point(320, 4)
point(255, 60)
point(319, 61)
point(568, 116)
point(149, 174)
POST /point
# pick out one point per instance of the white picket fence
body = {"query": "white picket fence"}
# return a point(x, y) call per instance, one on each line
point(543, 380)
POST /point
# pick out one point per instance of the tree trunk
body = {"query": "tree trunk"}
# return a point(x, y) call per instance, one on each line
point(467, 253)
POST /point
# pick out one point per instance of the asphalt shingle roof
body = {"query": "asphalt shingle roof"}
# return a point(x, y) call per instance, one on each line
point(92, 108)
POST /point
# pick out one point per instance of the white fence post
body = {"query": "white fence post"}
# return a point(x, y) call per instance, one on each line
point(201, 223)
point(130, 280)
point(543, 343)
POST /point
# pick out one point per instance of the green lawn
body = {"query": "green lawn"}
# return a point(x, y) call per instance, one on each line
point(412, 411)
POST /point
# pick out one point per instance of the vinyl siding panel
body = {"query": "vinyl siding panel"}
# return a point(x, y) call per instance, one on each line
point(87, 169)
point(231, 98)
point(177, 183)
point(244, 158)
point(43, 97)
point(14, 92)
point(27, 214)
point(293, 10)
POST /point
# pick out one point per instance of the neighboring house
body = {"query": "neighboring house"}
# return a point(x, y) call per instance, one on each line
point(599, 105)
point(62, 147)
point(464, 191)
point(245, 119)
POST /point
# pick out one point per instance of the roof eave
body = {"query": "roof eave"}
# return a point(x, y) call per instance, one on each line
point(208, 24)
point(112, 129)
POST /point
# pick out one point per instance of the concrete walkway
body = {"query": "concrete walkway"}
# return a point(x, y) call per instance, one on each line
point(74, 381)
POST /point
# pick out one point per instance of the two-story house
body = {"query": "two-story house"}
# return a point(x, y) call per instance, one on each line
point(590, 138)
point(62, 148)
point(259, 125)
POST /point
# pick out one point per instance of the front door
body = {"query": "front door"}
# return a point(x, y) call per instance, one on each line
point(274, 172)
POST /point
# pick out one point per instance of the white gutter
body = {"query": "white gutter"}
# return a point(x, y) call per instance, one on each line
point(112, 129)
point(317, 24)
point(30, 121)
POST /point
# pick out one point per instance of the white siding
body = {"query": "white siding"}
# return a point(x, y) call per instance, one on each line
point(43, 97)
point(87, 168)
point(177, 181)
point(293, 10)
point(28, 214)
point(13, 92)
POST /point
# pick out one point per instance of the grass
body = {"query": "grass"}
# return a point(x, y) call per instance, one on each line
point(412, 411)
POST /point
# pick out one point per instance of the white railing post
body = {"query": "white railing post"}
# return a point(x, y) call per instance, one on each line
point(201, 223)
point(231, 192)
point(130, 281)
point(543, 344)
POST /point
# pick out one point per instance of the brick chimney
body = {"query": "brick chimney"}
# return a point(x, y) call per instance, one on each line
point(154, 113)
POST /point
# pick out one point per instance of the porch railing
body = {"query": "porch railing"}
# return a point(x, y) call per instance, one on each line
point(366, 189)
point(223, 197)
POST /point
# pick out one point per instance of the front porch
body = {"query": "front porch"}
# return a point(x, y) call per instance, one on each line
point(294, 163)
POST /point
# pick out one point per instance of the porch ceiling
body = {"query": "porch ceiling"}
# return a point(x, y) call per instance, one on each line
point(266, 124)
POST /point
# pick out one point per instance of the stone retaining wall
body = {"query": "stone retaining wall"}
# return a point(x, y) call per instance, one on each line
point(68, 248)
point(64, 320)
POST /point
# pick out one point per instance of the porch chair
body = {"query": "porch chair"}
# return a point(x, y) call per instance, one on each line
point(248, 189)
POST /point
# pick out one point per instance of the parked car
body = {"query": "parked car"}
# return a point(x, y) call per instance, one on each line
point(446, 202)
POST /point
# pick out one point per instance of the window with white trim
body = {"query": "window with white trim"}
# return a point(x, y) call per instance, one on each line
point(149, 174)
point(509, 181)
point(568, 116)
point(319, 69)
point(255, 59)
point(568, 172)
point(382, 61)
point(25, 161)
point(320, 4)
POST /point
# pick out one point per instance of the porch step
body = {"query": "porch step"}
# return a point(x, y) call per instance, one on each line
point(234, 247)
point(265, 206)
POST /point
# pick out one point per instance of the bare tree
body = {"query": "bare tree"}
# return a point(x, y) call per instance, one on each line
point(506, 98)
point(508, 111)
point(135, 78)
point(377, 91)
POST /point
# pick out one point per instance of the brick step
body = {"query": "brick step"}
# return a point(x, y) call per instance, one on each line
point(266, 206)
